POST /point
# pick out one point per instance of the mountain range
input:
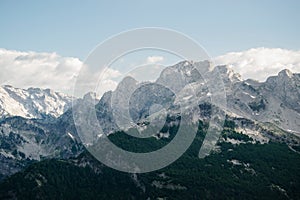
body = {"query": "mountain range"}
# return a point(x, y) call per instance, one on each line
point(37, 124)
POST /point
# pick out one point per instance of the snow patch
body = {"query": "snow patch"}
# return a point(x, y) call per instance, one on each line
point(71, 136)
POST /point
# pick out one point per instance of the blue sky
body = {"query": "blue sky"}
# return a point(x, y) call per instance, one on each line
point(74, 28)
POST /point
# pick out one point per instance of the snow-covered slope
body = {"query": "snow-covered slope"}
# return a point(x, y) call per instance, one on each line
point(32, 103)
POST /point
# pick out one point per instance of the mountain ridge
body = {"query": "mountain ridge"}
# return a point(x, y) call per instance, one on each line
point(250, 104)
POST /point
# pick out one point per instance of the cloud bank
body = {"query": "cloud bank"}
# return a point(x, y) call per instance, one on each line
point(44, 70)
point(260, 63)
point(50, 70)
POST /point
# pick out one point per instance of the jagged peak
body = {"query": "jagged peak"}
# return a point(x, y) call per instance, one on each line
point(106, 98)
point(90, 96)
point(128, 80)
point(192, 64)
point(185, 69)
point(229, 72)
point(285, 73)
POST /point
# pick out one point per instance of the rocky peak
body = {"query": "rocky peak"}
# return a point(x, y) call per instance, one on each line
point(128, 81)
point(90, 97)
point(285, 74)
point(284, 77)
point(228, 74)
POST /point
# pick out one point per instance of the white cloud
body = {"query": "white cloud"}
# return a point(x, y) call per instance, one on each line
point(107, 81)
point(154, 59)
point(50, 70)
point(47, 70)
point(260, 63)
point(44, 70)
point(110, 73)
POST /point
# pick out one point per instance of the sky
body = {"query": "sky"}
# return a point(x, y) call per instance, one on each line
point(73, 28)
point(43, 43)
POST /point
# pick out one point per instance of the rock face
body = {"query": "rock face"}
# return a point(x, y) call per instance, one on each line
point(285, 87)
point(32, 127)
point(25, 140)
point(275, 101)
point(32, 103)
